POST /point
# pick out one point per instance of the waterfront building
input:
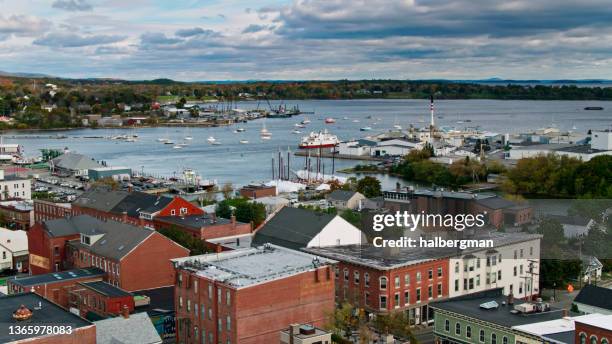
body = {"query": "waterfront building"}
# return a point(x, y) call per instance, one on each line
point(13, 186)
point(258, 191)
point(342, 199)
point(117, 173)
point(297, 228)
point(72, 164)
point(33, 309)
point(600, 144)
point(249, 295)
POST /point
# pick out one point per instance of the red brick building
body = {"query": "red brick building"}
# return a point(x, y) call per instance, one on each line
point(258, 191)
point(382, 281)
point(42, 313)
point(248, 296)
point(101, 299)
point(593, 329)
point(17, 214)
point(133, 258)
point(56, 286)
point(48, 210)
point(204, 226)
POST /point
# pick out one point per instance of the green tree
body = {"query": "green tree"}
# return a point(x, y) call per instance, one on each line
point(369, 186)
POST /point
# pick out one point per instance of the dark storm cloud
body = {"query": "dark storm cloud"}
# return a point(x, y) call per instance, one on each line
point(72, 40)
point(433, 18)
point(72, 5)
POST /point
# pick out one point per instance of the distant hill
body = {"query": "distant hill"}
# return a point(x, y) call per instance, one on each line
point(25, 75)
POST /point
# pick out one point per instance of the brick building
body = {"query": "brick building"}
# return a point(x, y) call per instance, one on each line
point(593, 329)
point(204, 226)
point(42, 313)
point(48, 210)
point(56, 286)
point(257, 191)
point(499, 211)
point(101, 300)
point(380, 280)
point(133, 258)
point(17, 214)
point(249, 295)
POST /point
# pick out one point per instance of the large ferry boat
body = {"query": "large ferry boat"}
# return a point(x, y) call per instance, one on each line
point(322, 139)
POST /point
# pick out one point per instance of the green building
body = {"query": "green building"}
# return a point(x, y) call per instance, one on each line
point(488, 317)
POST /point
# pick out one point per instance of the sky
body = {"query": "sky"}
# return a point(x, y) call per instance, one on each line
point(196, 40)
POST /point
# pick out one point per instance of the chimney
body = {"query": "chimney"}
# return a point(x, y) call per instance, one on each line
point(565, 313)
point(124, 217)
point(125, 312)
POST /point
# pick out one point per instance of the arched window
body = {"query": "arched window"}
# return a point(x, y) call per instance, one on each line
point(383, 283)
point(583, 338)
point(493, 338)
point(366, 279)
point(604, 341)
point(593, 339)
point(481, 336)
point(505, 340)
point(446, 325)
point(468, 331)
point(458, 329)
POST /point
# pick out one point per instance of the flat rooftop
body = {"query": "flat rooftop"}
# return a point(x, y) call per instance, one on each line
point(106, 289)
point(385, 259)
point(250, 266)
point(43, 313)
point(195, 222)
point(55, 277)
point(470, 306)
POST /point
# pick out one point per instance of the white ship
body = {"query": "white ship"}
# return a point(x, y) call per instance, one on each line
point(322, 139)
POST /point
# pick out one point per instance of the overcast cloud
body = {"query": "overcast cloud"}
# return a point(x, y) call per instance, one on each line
point(308, 39)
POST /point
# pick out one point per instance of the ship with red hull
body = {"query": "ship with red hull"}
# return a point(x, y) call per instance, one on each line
point(321, 139)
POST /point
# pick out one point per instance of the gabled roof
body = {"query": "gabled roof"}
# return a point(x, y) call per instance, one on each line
point(595, 296)
point(138, 328)
point(74, 161)
point(341, 195)
point(117, 238)
point(101, 199)
point(135, 202)
point(292, 228)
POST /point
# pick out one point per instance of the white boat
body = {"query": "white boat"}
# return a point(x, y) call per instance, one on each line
point(161, 140)
point(216, 143)
point(188, 137)
point(211, 139)
point(299, 125)
point(397, 126)
point(265, 134)
point(345, 118)
point(366, 129)
point(240, 130)
point(244, 142)
point(295, 131)
point(322, 139)
point(177, 146)
point(305, 121)
point(355, 121)
point(168, 142)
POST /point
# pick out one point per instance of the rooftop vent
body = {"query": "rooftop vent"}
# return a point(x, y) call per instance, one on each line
point(489, 305)
point(307, 329)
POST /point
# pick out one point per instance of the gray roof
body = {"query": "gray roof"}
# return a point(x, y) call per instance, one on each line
point(382, 259)
point(100, 199)
point(54, 277)
point(469, 306)
point(106, 289)
point(48, 314)
point(249, 266)
point(138, 328)
point(595, 296)
point(118, 238)
point(74, 161)
point(341, 195)
point(195, 222)
point(496, 203)
point(292, 228)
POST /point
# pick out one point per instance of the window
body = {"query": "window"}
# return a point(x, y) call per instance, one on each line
point(218, 295)
point(439, 289)
point(337, 271)
point(439, 272)
point(383, 283)
point(430, 292)
point(366, 298)
point(195, 286)
point(418, 295)
point(195, 309)
point(406, 298)
point(593, 340)
point(173, 212)
point(468, 331)
point(366, 278)
point(396, 281)
point(481, 336)
point(531, 251)
point(457, 267)
point(583, 338)
point(498, 275)
point(430, 274)
point(180, 280)
point(202, 311)
point(407, 279)
point(210, 313)
point(515, 271)
point(505, 340)
point(356, 277)
point(228, 323)
point(477, 280)
point(383, 302)
point(446, 325)
point(396, 301)
point(195, 332)
point(219, 324)
point(346, 275)
point(228, 298)
point(188, 305)
point(493, 338)
point(456, 285)
point(604, 341)
point(478, 263)
point(521, 253)
point(458, 329)
point(180, 302)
